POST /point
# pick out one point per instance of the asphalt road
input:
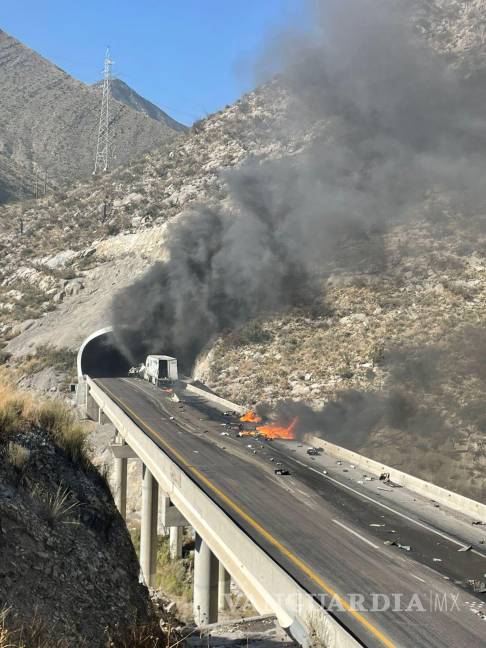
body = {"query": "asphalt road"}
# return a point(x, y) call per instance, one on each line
point(319, 530)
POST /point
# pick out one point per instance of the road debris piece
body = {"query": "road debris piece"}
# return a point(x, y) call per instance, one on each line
point(477, 585)
point(465, 548)
point(377, 525)
point(369, 478)
point(395, 543)
point(437, 559)
point(387, 490)
point(477, 523)
point(405, 547)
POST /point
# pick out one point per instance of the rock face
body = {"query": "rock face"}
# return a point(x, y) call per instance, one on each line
point(56, 121)
point(124, 94)
point(66, 552)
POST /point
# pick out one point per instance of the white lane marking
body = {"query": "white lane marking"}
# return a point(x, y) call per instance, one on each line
point(371, 499)
point(358, 535)
point(389, 508)
point(418, 578)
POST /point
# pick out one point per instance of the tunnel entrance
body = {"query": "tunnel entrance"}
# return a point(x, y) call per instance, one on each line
point(98, 356)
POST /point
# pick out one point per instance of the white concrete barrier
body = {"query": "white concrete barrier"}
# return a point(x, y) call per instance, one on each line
point(215, 399)
point(420, 486)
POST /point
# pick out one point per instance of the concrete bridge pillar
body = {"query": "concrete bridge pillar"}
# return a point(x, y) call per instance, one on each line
point(92, 409)
point(205, 603)
point(175, 541)
point(120, 478)
point(148, 532)
point(224, 583)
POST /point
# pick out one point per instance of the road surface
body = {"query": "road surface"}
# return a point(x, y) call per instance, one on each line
point(393, 575)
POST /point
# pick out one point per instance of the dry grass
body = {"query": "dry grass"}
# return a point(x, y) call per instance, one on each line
point(57, 506)
point(20, 412)
point(32, 635)
point(148, 635)
point(17, 455)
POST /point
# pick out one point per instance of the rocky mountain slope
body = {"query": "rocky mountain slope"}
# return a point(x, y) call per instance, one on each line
point(69, 573)
point(391, 358)
point(126, 95)
point(56, 122)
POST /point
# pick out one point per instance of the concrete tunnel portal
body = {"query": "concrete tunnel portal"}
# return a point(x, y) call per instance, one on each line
point(99, 357)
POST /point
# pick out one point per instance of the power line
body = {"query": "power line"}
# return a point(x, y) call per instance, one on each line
point(103, 143)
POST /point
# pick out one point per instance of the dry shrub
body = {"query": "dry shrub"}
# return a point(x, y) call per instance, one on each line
point(147, 635)
point(35, 634)
point(19, 411)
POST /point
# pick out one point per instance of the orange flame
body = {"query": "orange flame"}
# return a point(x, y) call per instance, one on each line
point(250, 417)
point(277, 432)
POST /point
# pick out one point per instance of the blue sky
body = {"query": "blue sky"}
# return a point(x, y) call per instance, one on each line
point(190, 57)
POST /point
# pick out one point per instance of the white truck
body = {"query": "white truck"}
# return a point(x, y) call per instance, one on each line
point(160, 369)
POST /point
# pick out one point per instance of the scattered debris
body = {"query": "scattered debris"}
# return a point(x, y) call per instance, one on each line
point(395, 543)
point(281, 471)
point(465, 548)
point(171, 418)
point(405, 547)
point(437, 559)
point(224, 433)
point(368, 478)
point(477, 585)
point(387, 490)
point(324, 472)
point(377, 525)
point(478, 523)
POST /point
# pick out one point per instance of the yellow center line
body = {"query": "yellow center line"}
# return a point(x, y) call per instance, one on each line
point(258, 527)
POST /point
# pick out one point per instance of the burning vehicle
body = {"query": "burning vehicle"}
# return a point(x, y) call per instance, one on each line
point(270, 431)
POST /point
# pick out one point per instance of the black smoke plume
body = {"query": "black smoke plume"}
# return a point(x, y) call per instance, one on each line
point(395, 122)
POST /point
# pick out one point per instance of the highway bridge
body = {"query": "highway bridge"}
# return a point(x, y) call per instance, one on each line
point(334, 553)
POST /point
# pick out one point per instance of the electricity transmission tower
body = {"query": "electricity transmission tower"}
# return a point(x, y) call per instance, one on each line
point(103, 144)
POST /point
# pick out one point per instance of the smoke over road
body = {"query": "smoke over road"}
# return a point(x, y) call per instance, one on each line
point(398, 124)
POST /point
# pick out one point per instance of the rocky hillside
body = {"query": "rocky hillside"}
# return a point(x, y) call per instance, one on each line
point(391, 358)
point(69, 573)
point(126, 95)
point(56, 122)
